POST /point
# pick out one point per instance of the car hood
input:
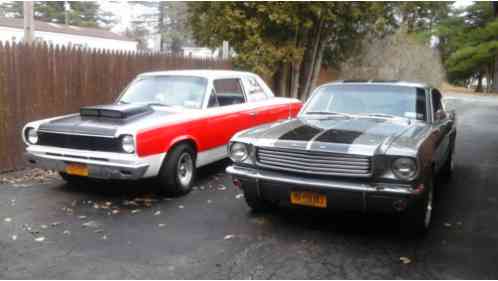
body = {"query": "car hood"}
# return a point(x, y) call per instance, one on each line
point(103, 120)
point(354, 135)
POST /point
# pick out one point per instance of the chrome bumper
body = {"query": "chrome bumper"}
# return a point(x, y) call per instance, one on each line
point(101, 165)
point(270, 176)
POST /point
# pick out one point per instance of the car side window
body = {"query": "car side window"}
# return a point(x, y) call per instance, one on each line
point(229, 91)
point(254, 90)
point(213, 100)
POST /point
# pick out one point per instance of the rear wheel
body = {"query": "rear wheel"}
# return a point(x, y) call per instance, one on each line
point(417, 220)
point(178, 171)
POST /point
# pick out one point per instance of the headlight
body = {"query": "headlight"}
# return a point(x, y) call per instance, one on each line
point(32, 135)
point(238, 152)
point(128, 144)
point(404, 168)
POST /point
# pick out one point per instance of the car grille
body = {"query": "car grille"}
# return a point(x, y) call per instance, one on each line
point(318, 163)
point(80, 142)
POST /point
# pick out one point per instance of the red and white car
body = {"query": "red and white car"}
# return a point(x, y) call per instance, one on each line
point(165, 124)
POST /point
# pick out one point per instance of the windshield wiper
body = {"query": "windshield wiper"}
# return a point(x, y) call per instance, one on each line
point(328, 113)
point(382, 115)
point(157, 104)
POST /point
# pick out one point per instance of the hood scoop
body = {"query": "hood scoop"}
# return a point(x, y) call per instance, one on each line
point(115, 111)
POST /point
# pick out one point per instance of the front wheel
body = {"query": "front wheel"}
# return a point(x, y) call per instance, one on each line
point(449, 166)
point(417, 220)
point(178, 171)
point(256, 203)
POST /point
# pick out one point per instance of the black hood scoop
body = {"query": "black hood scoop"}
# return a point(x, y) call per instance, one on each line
point(115, 111)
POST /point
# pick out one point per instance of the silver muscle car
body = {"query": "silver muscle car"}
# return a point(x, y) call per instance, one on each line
point(355, 146)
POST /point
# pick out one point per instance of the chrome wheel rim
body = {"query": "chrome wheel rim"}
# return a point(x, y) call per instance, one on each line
point(185, 169)
point(428, 209)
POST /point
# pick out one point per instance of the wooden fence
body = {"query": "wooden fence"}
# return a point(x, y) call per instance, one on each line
point(42, 81)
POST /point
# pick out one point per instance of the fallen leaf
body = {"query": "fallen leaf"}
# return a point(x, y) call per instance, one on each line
point(92, 224)
point(7, 220)
point(40, 239)
point(405, 260)
point(238, 196)
point(129, 203)
point(229, 236)
point(157, 213)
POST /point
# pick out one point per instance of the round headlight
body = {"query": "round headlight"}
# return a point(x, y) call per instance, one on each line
point(32, 135)
point(238, 152)
point(404, 168)
point(128, 144)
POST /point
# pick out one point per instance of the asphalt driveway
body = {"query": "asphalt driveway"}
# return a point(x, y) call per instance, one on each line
point(121, 231)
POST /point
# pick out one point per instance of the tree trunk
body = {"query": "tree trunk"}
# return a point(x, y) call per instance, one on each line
point(495, 78)
point(160, 26)
point(479, 83)
point(310, 70)
point(316, 70)
point(281, 81)
point(294, 90)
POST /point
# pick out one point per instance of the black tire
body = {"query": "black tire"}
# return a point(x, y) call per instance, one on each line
point(447, 169)
point(256, 203)
point(417, 219)
point(172, 181)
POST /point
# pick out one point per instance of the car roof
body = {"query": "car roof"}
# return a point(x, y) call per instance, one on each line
point(206, 73)
point(381, 82)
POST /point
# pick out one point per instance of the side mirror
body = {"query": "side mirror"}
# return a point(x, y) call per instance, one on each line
point(439, 115)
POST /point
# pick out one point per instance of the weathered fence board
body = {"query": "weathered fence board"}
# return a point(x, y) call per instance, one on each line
point(42, 81)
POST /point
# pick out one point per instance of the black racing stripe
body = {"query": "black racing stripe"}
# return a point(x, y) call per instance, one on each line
point(348, 132)
point(339, 136)
point(302, 133)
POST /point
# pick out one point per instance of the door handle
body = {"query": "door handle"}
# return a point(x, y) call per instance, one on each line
point(253, 113)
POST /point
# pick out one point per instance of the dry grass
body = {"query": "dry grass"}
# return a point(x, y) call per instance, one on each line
point(396, 57)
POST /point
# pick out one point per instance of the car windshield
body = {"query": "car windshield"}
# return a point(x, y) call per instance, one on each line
point(175, 90)
point(383, 101)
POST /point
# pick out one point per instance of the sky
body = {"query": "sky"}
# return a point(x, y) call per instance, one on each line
point(125, 13)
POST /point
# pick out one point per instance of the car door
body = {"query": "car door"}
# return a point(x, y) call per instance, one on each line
point(442, 126)
point(227, 112)
point(264, 107)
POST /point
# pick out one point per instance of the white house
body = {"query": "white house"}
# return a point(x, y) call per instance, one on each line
point(11, 29)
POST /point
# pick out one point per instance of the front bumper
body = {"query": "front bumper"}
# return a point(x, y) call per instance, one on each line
point(101, 165)
point(341, 194)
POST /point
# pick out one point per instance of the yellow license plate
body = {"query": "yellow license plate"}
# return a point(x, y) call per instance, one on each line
point(306, 198)
point(77, 170)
